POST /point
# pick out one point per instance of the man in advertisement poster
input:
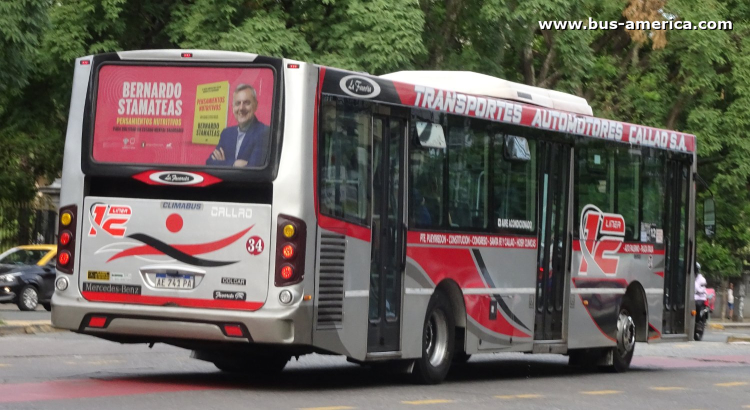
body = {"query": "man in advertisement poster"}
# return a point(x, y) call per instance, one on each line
point(245, 144)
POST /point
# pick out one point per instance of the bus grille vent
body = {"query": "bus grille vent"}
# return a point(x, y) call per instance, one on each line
point(331, 288)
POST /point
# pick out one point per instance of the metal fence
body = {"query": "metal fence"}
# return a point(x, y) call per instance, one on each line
point(23, 224)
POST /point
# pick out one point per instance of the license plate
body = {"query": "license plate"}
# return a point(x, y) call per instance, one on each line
point(174, 281)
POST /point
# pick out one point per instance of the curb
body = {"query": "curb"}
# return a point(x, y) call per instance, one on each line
point(27, 329)
point(738, 339)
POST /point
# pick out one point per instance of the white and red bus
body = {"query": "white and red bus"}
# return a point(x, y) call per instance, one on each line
point(252, 209)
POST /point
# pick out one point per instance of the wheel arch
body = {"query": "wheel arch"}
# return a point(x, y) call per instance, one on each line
point(456, 297)
point(635, 299)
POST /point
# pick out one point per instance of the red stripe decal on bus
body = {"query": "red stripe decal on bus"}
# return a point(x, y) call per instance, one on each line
point(345, 228)
point(160, 301)
point(458, 265)
point(471, 240)
point(659, 274)
point(194, 249)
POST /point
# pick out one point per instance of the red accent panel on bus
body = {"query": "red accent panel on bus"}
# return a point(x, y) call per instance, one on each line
point(161, 301)
point(477, 307)
point(457, 264)
point(344, 228)
point(405, 93)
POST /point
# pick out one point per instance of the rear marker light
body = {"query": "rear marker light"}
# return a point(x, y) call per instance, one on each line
point(233, 330)
point(65, 238)
point(66, 218)
point(187, 55)
point(97, 321)
point(288, 251)
point(287, 272)
point(85, 62)
point(285, 297)
point(61, 283)
point(289, 231)
point(292, 66)
point(63, 257)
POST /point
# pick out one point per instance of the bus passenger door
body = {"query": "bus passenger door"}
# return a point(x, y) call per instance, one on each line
point(553, 240)
point(677, 254)
point(388, 242)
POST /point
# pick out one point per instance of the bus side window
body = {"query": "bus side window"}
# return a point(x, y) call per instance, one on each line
point(426, 189)
point(514, 186)
point(345, 160)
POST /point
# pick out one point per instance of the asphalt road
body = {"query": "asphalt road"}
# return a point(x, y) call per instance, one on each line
point(68, 371)
point(10, 312)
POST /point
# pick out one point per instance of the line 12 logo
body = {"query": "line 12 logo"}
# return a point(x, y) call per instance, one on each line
point(602, 235)
point(109, 218)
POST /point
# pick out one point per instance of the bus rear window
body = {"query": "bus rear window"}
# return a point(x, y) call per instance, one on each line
point(197, 116)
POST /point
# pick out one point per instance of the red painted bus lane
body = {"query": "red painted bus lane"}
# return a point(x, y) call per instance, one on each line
point(88, 388)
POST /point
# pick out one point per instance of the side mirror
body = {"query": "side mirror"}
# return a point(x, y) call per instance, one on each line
point(516, 148)
point(709, 217)
point(430, 135)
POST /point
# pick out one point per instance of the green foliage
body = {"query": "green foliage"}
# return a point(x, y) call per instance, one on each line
point(695, 81)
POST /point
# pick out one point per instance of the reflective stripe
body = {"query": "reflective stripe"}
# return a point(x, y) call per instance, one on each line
point(356, 293)
point(419, 291)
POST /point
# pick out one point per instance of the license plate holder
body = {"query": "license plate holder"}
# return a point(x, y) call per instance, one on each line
point(174, 281)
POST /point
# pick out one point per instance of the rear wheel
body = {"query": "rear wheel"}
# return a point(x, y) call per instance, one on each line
point(28, 299)
point(623, 353)
point(437, 341)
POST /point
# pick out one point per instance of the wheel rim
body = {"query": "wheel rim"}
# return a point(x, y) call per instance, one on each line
point(30, 298)
point(625, 334)
point(436, 338)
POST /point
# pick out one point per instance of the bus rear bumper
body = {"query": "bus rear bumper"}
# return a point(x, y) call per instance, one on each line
point(113, 321)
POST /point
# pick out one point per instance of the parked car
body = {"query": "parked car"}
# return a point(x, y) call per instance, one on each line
point(711, 298)
point(27, 276)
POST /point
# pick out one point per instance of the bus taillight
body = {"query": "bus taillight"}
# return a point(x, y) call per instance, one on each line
point(66, 242)
point(290, 250)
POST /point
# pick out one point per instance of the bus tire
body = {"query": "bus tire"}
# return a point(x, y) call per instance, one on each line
point(622, 354)
point(438, 338)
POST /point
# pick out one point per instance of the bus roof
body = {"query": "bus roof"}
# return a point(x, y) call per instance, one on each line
point(439, 97)
point(481, 84)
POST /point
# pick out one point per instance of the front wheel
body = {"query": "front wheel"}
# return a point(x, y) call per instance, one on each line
point(28, 299)
point(438, 338)
point(623, 353)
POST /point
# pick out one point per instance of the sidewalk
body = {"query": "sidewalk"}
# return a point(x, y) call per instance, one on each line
point(20, 327)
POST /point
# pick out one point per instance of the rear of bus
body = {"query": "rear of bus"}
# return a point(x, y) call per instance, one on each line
point(163, 239)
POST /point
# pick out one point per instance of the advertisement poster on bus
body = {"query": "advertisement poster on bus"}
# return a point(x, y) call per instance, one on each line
point(197, 116)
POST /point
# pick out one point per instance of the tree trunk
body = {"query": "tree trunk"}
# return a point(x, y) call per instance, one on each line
point(724, 287)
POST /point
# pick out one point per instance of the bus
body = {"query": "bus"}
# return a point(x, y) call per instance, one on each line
point(252, 209)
